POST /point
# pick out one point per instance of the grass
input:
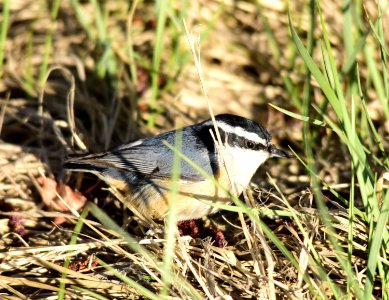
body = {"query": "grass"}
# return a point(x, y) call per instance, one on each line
point(3, 33)
point(314, 227)
point(171, 220)
point(48, 42)
point(162, 7)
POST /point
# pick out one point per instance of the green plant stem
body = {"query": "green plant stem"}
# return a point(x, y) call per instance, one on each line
point(3, 34)
point(162, 6)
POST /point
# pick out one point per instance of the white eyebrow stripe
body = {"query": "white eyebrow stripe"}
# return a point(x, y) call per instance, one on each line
point(239, 131)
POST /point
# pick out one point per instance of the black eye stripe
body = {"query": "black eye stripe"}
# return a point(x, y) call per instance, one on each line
point(235, 140)
point(261, 147)
point(248, 144)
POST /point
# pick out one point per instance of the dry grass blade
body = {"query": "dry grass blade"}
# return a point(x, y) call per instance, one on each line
point(96, 94)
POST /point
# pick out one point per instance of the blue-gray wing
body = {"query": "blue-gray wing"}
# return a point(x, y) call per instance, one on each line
point(150, 157)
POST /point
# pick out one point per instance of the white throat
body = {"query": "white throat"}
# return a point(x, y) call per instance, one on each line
point(242, 164)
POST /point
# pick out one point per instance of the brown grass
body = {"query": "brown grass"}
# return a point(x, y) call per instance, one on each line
point(242, 76)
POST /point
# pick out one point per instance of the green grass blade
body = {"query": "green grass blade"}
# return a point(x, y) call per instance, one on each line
point(324, 85)
point(171, 224)
point(358, 212)
point(82, 19)
point(325, 217)
point(94, 295)
point(369, 53)
point(262, 211)
point(307, 84)
point(3, 33)
point(246, 210)
point(352, 58)
point(303, 118)
point(49, 42)
point(384, 55)
point(100, 22)
point(107, 64)
point(162, 7)
point(179, 282)
point(347, 27)
point(73, 241)
point(342, 114)
point(127, 280)
point(130, 45)
point(381, 85)
point(364, 174)
point(377, 35)
point(351, 213)
point(376, 136)
point(375, 247)
point(318, 264)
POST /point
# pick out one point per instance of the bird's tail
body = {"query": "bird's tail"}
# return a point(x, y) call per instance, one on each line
point(85, 163)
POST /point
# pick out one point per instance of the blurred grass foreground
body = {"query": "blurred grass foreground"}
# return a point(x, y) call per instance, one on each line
point(89, 75)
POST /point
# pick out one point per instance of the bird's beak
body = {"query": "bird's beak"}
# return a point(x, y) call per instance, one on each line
point(275, 152)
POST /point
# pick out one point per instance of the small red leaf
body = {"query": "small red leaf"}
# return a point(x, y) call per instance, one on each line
point(70, 199)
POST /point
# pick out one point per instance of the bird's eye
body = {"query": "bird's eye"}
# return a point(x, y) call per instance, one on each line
point(250, 145)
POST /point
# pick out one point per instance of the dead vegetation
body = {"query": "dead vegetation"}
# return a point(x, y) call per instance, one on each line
point(246, 57)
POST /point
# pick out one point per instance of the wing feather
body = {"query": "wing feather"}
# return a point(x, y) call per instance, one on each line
point(149, 157)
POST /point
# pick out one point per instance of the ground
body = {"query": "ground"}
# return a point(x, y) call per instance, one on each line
point(86, 76)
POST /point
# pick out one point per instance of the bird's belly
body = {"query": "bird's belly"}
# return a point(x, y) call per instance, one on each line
point(190, 200)
point(152, 197)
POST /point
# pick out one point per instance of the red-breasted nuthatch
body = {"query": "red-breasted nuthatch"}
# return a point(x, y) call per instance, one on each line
point(143, 169)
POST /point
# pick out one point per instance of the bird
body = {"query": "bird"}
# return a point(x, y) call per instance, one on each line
point(142, 169)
